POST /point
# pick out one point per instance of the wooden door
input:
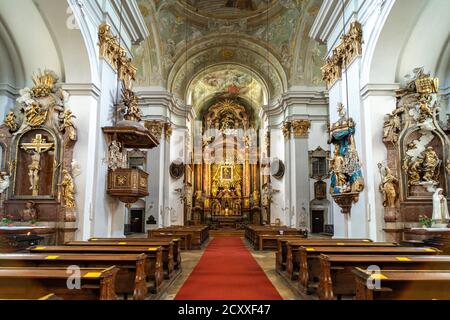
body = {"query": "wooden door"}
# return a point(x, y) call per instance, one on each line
point(317, 221)
point(137, 221)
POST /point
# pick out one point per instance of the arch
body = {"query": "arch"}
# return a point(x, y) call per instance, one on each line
point(238, 51)
point(401, 40)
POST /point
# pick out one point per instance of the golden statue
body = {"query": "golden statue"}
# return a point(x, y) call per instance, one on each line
point(68, 190)
point(33, 172)
point(425, 111)
point(10, 121)
point(413, 171)
point(214, 188)
point(238, 190)
point(430, 165)
point(388, 188)
point(338, 168)
point(67, 125)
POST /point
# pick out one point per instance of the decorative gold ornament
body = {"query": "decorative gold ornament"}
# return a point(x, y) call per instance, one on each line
point(43, 83)
point(68, 190)
point(155, 127)
point(343, 55)
point(115, 54)
point(130, 106)
point(346, 174)
point(10, 121)
point(168, 130)
point(301, 128)
point(121, 180)
point(286, 129)
point(34, 116)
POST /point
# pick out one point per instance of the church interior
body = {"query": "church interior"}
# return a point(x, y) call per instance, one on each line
point(224, 149)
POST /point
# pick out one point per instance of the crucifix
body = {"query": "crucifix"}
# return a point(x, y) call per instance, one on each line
point(37, 146)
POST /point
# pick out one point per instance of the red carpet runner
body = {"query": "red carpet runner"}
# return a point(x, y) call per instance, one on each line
point(227, 271)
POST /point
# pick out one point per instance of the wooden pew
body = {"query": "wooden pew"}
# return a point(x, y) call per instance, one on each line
point(33, 283)
point(153, 269)
point(167, 246)
point(282, 250)
point(252, 232)
point(270, 242)
point(130, 279)
point(185, 237)
point(147, 242)
point(310, 266)
point(198, 234)
point(336, 278)
point(404, 285)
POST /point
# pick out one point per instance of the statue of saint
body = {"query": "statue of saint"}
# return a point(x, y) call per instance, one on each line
point(214, 188)
point(238, 190)
point(67, 125)
point(388, 188)
point(391, 127)
point(33, 172)
point(68, 190)
point(430, 164)
point(440, 209)
point(338, 168)
point(413, 171)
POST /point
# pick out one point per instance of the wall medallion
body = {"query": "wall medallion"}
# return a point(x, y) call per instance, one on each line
point(176, 169)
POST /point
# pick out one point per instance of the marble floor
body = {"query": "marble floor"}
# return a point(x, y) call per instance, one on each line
point(266, 260)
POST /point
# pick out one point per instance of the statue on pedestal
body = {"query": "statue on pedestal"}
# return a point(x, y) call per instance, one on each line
point(388, 187)
point(440, 215)
point(68, 190)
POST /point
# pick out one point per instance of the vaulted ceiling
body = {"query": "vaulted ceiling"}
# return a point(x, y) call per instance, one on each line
point(267, 37)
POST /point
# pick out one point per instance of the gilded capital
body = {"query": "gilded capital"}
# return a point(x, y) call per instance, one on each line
point(286, 129)
point(155, 127)
point(301, 128)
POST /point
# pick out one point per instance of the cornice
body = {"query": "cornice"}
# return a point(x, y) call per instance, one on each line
point(82, 89)
point(379, 89)
point(8, 90)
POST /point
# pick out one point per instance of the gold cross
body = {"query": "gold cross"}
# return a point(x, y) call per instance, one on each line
point(38, 144)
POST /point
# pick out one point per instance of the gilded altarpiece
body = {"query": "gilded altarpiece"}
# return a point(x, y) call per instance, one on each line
point(417, 155)
point(39, 139)
point(226, 181)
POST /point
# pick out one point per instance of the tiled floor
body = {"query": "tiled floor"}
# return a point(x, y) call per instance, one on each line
point(266, 259)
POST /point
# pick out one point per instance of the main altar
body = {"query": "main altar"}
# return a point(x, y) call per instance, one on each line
point(226, 167)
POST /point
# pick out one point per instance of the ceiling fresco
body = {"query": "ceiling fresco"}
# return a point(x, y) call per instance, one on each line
point(278, 31)
point(225, 82)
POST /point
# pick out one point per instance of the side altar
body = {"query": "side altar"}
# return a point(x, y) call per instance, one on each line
point(37, 169)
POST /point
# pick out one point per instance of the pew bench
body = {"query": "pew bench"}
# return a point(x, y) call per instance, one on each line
point(167, 249)
point(153, 269)
point(309, 269)
point(33, 283)
point(281, 255)
point(403, 285)
point(336, 278)
point(270, 241)
point(186, 237)
point(292, 251)
point(130, 278)
point(145, 242)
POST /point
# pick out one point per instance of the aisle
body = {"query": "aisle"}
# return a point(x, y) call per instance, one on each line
point(227, 271)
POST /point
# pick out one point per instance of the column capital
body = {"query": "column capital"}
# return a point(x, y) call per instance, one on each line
point(301, 128)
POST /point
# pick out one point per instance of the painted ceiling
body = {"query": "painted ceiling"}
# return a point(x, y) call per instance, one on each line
point(268, 37)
